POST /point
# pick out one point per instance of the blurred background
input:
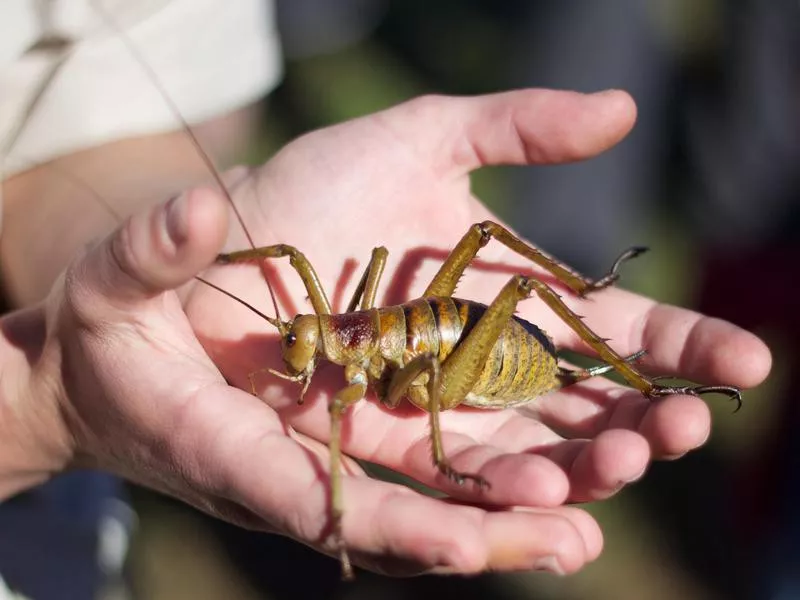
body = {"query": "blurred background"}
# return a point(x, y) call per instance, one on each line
point(707, 179)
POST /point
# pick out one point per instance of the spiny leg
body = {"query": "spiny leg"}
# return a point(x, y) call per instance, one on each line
point(345, 397)
point(445, 281)
point(368, 286)
point(429, 397)
point(733, 393)
point(298, 261)
point(609, 356)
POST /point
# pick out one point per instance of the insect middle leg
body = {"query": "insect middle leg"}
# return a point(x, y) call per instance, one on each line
point(445, 281)
point(403, 383)
point(451, 381)
point(368, 286)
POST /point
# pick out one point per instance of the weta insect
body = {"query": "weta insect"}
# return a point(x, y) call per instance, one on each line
point(439, 351)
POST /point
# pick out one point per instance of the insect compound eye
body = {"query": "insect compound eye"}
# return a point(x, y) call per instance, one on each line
point(291, 338)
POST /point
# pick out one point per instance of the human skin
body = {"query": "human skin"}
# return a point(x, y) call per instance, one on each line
point(119, 371)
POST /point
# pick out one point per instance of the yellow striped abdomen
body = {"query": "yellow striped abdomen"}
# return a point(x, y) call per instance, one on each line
point(522, 364)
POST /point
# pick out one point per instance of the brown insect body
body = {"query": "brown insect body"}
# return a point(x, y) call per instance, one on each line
point(521, 366)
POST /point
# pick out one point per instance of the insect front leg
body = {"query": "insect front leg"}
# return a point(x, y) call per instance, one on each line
point(445, 281)
point(298, 261)
point(429, 398)
point(354, 392)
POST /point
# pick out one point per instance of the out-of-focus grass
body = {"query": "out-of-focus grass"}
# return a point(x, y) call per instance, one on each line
point(636, 564)
point(356, 81)
point(175, 557)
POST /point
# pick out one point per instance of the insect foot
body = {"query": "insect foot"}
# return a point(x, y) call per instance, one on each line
point(613, 274)
point(732, 392)
point(461, 478)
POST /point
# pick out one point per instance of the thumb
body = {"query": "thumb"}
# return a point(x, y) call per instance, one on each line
point(154, 251)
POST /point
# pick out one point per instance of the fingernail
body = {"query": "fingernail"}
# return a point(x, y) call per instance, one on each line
point(445, 559)
point(639, 475)
point(177, 219)
point(607, 92)
point(548, 564)
point(632, 479)
point(613, 490)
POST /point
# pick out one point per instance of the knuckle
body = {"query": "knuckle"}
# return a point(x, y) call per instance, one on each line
point(567, 546)
point(78, 290)
point(485, 229)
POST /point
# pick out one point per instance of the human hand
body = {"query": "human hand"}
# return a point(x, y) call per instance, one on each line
point(400, 179)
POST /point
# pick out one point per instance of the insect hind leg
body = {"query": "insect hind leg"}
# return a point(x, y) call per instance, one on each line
point(367, 288)
point(645, 385)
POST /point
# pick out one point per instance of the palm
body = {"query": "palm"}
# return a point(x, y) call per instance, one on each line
point(339, 192)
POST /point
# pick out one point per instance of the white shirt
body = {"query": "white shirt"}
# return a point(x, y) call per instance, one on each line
point(212, 56)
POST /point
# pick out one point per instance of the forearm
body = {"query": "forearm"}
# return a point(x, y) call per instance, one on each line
point(54, 210)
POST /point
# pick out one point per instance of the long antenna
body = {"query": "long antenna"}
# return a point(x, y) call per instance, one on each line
point(154, 79)
point(270, 320)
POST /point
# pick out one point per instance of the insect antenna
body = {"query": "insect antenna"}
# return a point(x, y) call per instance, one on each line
point(209, 164)
point(272, 321)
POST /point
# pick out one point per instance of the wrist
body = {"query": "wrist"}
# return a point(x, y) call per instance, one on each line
point(34, 440)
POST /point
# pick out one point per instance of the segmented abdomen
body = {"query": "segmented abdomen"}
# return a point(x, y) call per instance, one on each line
point(521, 365)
